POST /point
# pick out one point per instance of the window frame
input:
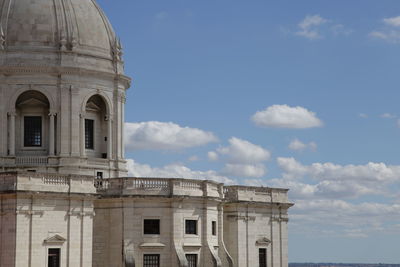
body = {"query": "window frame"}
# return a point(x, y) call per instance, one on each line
point(23, 138)
point(152, 255)
point(196, 257)
point(260, 263)
point(59, 255)
point(214, 228)
point(90, 146)
point(196, 232)
point(152, 219)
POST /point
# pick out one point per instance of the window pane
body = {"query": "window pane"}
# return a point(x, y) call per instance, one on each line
point(192, 260)
point(54, 257)
point(32, 131)
point(214, 228)
point(191, 227)
point(89, 134)
point(151, 260)
point(151, 227)
point(262, 257)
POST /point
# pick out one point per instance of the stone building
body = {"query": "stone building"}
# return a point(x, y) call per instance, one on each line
point(65, 199)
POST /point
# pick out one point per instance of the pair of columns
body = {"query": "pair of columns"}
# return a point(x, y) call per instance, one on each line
point(11, 146)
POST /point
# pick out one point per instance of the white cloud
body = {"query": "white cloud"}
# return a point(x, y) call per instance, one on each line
point(340, 29)
point(284, 116)
point(242, 158)
point(395, 21)
point(363, 115)
point(390, 33)
point(212, 156)
point(309, 27)
point(156, 135)
point(245, 170)
point(242, 151)
point(338, 181)
point(297, 145)
point(175, 170)
point(388, 116)
point(193, 158)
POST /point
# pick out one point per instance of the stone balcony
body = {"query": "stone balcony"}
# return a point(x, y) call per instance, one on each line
point(45, 182)
point(131, 186)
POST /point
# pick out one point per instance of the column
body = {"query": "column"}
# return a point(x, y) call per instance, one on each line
point(11, 144)
point(82, 135)
point(109, 138)
point(51, 134)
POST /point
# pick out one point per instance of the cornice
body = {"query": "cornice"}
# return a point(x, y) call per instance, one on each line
point(59, 70)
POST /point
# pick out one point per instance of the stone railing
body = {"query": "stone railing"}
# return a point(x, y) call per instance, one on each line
point(255, 194)
point(31, 161)
point(46, 182)
point(159, 186)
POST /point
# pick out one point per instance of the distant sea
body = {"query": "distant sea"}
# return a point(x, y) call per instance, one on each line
point(329, 264)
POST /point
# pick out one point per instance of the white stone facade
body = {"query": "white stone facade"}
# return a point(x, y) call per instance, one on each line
point(65, 199)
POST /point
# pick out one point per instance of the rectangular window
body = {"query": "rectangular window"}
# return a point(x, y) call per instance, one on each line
point(214, 227)
point(262, 257)
point(191, 227)
point(151, 227)
point(53, 257)
point(89, 134)
point(151, 260)
point(33, 131)
point(192, 260)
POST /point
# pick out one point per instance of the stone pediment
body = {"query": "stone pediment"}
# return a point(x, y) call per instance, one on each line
point(90, 106)
point(263, 241)
point(56, 239)
point(33, 102)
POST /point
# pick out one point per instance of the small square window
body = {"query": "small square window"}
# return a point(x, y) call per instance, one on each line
point(214, 227)
point(191, 227)
point(192, 260)
point(151, 227)
point(151, 260)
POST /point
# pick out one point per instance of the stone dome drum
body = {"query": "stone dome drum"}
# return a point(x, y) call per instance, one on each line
point(78, 27)
point(62, 89)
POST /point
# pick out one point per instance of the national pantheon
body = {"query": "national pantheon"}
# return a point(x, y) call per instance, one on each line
point(65, 198)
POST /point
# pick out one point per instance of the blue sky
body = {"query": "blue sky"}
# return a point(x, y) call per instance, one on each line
point(297, 94)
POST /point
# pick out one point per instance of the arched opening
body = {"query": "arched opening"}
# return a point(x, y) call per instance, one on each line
point(32, 130)
point(96, 128)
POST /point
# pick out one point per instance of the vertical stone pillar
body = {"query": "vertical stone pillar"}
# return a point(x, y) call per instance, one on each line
point(109, 137)
point(51, 134)
point(11, 144)
point(82, 135)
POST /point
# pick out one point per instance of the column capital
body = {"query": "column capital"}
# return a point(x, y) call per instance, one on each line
point(82, 115)
point(52, 114)
point(12, 113)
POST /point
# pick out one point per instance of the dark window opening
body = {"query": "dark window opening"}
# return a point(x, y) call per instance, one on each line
point(191, 227)
point(151, 260)
point(89, 134)
point(33, 131)
point(192, 260)
point(54, 257)
point(99, 175)
point(214, 228)
point(262, 257)
point(151, 227)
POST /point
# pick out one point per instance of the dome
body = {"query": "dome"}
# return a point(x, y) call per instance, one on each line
point(76, 26)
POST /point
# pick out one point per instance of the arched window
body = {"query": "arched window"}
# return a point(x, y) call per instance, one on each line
point(96, 128)
point(32, 124)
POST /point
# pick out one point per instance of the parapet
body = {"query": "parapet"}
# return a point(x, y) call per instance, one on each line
point(134, 186)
